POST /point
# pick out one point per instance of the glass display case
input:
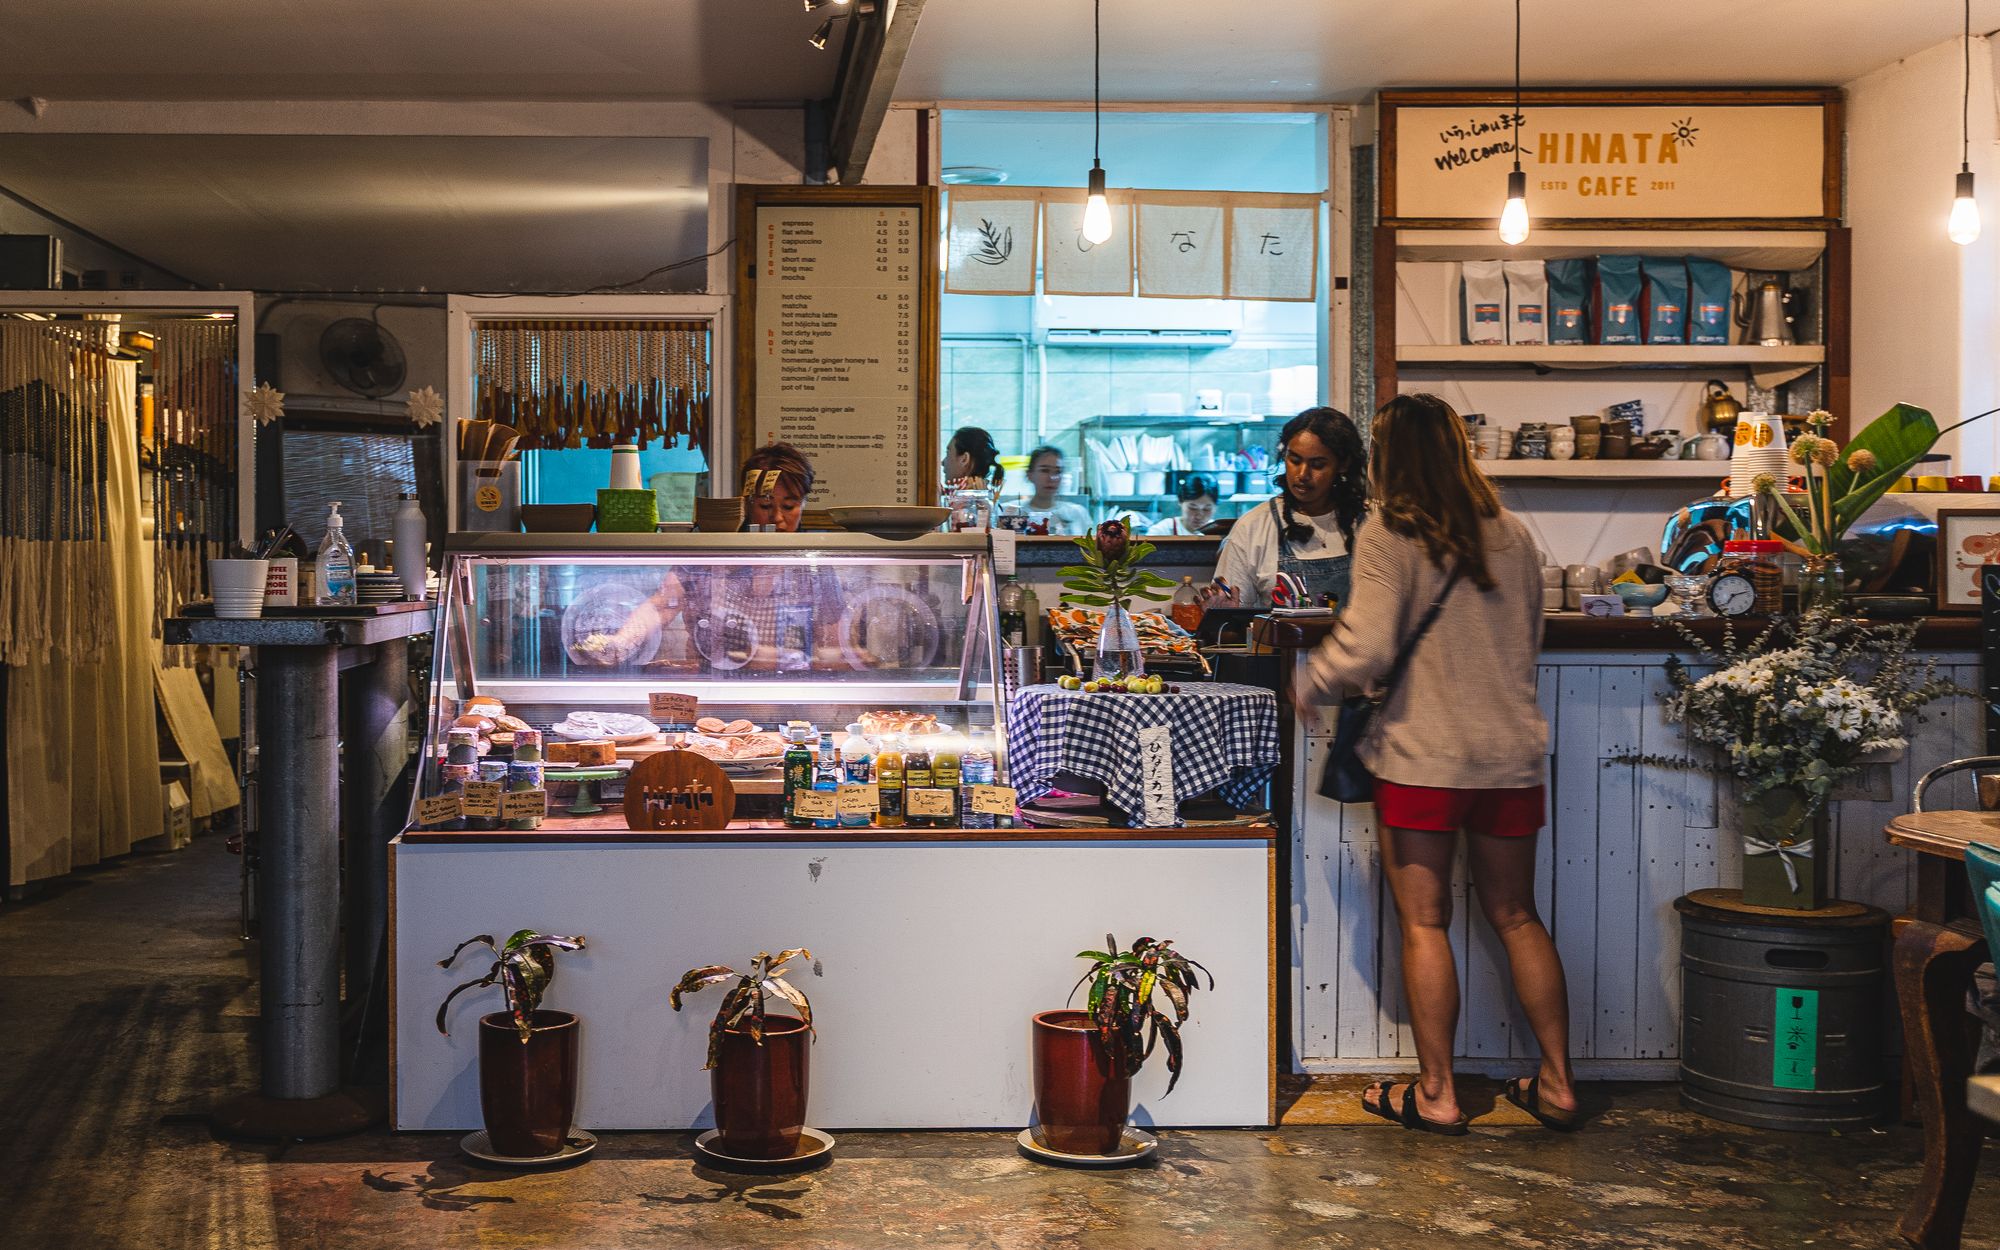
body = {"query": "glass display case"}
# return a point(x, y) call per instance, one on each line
point(712, 642)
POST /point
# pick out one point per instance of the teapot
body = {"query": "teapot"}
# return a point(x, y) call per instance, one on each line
point(1718, 408)
point(1713, 445)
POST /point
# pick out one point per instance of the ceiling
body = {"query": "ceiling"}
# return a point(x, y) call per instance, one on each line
point(1344, 50)
point(719, 51)
point(347, 213)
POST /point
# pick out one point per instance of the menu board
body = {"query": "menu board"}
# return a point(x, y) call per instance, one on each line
point(839, 362)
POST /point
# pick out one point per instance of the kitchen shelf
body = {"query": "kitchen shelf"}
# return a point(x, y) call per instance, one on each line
point(1739, 249)
point(1608, 470)
point(1636, 356)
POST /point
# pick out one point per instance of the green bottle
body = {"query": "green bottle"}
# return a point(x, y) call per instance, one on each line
point(798, 777)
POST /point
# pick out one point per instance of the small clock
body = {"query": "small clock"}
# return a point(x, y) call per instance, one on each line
point(1732, 594)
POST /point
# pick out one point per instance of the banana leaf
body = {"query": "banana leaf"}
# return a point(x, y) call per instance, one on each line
point(1898, 439)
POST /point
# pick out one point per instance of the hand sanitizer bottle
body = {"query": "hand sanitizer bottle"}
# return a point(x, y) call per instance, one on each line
point(336, 564)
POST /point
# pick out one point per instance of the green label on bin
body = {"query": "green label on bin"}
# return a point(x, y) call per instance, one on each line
point(1795, 1045)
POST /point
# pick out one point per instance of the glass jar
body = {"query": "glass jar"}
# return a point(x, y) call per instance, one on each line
point(971, 504)
point(1822, 584)
point(1760, 560)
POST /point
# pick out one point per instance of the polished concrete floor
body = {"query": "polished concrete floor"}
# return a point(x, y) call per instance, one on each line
point(126, 1002)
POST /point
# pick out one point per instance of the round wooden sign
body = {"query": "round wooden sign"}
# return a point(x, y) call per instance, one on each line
point(678, 790)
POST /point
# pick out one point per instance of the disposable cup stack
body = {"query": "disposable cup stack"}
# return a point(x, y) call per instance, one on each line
point(1760, 448)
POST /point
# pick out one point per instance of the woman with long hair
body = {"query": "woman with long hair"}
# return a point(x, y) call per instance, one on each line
point(1308, 529)
point(972, 453)
point(1459, 746)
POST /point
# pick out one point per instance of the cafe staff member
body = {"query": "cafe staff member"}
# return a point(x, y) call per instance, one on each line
point(1308, 529)
point(785, 503)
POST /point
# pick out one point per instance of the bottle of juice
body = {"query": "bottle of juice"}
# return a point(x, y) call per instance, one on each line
point(889, 780)
point(1186, 605)
point(857, 767)
point(798, 776)
point(945, 774)
point(826, 779)
point(977, 769)
point(916, 776)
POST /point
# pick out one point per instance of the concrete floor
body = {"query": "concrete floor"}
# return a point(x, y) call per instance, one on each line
point(126, 1001)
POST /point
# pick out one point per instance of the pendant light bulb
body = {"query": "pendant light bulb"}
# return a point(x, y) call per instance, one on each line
point(819, 37)
point(1514, 217)
point(1964, 225)
point(1097, 209)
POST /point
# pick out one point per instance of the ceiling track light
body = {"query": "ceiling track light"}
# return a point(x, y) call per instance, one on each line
point(1963, 228)
point(825, 32)
point(1096, 207)
point(1514, 214)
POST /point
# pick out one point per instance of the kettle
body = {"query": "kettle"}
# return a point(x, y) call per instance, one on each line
point(1769, 313)
point(1718, 409)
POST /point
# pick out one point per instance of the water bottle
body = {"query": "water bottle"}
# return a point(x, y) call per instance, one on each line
point(976, 769)
point(857, 766)
point(336, 565)
point(409, 530)
point(826, 779)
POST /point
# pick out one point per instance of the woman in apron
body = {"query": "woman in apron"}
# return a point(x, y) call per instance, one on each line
point(1307, 531)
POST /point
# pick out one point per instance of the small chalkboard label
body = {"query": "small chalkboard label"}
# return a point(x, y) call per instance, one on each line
point(932, 802)
point(438, 809)
point(815, 804)
point(672, 708)
point(482, 798)
point(856, 799)
point(993, 800)
point(523, 804)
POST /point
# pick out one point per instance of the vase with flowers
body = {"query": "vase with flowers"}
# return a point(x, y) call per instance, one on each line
point(1109, 578)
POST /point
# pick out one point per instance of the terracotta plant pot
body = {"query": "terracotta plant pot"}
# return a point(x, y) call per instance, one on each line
point(1081, 1099)
point(760, 1091)
point(528, 1093)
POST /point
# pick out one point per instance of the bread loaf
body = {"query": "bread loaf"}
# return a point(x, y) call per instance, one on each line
point(586, 754)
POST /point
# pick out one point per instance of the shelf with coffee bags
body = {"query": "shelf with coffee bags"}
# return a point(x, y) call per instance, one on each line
point(1609, 356)
point(1763, 250)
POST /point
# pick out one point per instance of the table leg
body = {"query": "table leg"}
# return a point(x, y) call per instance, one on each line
point(1933, 966)
point(374, 722)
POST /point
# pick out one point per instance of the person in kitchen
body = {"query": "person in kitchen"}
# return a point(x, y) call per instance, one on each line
point(1196, 494)
point(1307, 530)
point(1045, 477)
point(785, 502)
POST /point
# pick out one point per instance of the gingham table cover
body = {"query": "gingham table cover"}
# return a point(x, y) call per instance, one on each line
point(1225, 737)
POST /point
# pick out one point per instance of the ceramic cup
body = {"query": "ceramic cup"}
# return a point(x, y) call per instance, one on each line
point(1562, 444)
point(238, 586)
point(1589, 446)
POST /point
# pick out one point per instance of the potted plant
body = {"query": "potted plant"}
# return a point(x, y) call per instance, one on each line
point(1790, 715)
point(1109, 577)
point(1085, 1060)
point(527, 1056)
point(757, 1061)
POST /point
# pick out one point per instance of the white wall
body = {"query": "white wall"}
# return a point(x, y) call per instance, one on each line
point(1924, 308)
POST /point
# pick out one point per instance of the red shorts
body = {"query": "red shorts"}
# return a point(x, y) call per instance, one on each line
point(1514, 813)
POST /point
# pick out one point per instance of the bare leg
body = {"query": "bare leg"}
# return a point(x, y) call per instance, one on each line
point(1419, 868)
point(1503, 873)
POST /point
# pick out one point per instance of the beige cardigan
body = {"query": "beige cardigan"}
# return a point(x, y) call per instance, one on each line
point(1465, 715)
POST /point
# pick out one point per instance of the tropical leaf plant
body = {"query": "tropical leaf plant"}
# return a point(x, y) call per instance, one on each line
point(743, 1006)
point(1124, 988)
point(524, 967)
point(1110, 572)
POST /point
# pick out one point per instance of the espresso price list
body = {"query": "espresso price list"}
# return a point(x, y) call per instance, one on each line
point(837, 345)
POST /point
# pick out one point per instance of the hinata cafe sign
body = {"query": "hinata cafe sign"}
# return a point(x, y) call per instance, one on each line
point(1673, 161)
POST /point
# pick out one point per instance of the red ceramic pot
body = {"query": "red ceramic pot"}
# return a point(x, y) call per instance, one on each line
point(528, 1092)
point(760, 1091)
point(1081, 1098)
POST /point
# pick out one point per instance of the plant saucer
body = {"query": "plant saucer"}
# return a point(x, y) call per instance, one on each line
point(815, 1147)
point(576, 1145)
point(1135, 1147)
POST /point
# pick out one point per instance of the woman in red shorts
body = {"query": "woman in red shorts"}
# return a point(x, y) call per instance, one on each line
point(1460, 744)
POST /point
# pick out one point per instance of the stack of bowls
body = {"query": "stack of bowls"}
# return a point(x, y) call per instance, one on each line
point(378, 587)
point(238, 587)
point(1760, 448)
point(719, 516)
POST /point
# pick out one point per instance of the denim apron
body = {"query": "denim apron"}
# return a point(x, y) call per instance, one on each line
point(1327, 575)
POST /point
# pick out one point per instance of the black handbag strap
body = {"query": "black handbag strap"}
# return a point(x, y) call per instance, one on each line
point(1395, 674)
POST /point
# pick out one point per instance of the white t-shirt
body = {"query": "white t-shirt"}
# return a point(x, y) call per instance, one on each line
point(1249, 560)
point(1171, 527)
point(1064, 518)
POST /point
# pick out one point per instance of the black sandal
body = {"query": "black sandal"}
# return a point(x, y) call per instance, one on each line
point(1410, 1118)
point(1525, 1092)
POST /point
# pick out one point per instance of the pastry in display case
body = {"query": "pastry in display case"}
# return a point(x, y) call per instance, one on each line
point(744, 649)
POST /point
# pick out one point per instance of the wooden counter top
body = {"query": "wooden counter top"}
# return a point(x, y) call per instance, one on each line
point(1575, 631)
point(610, 827)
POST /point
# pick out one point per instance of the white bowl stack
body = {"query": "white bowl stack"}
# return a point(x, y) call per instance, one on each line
point(1749, 459)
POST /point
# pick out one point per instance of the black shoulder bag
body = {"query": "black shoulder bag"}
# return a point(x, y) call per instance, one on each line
point(1347, 779)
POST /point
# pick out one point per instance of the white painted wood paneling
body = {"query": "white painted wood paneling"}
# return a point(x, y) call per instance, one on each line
point(1623, 843)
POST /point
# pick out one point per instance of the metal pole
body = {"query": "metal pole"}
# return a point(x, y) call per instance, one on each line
point(299, 895)
point(374, 701)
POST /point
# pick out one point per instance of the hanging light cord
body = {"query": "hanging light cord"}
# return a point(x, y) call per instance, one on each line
point(1097, 78)
point(1517, 80)
point(1965, 100)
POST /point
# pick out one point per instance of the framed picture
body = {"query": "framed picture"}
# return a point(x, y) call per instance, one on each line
point(1968, 541)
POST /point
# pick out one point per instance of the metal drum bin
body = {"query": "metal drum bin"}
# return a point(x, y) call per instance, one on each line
point(1781, 1013)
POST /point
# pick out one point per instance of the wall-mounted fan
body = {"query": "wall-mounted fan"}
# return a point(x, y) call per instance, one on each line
point(363, 357)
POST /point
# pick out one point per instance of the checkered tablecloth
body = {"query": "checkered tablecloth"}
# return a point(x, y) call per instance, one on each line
point(1225, 738)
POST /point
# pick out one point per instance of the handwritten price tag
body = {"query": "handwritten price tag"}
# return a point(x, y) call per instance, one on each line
point(857, 799)
point(678, 709)
point(932, 802)
point(815, 805)
point(523, 804)
point(482, 798)
point(993, 800)
point(438, 809)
